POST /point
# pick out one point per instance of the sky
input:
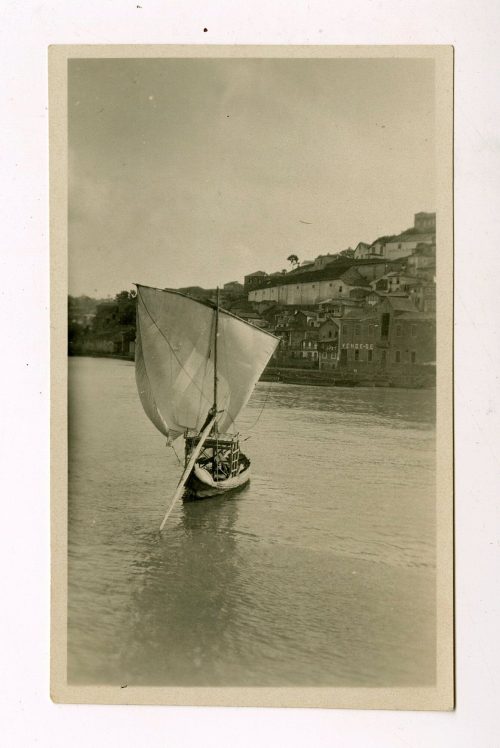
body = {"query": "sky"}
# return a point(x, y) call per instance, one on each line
point(199, 171)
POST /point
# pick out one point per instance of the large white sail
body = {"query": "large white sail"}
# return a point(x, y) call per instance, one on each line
point(175, 361)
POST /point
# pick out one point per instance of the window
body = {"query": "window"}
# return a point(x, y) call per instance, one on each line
point(414, 331)
point(370, 355)
point(357, 330)
point(398, 331)
point(370, 331)
point(356, 355)
point(385, 325)
point(340, 289)
point(344, 329)
point(329, 333)
point(397, 357)
point(413, 357)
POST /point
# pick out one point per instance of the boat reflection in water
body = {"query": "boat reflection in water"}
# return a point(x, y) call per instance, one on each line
point(185, 599)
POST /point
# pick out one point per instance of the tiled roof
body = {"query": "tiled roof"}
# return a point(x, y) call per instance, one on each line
point(371, 261)
point(400, 303)
point(359, 293)
point(354, 278)
point(361, 313)
point(333, 271)
point(329, 320)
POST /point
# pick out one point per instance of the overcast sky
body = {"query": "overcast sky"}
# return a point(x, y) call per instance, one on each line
point(197, 172)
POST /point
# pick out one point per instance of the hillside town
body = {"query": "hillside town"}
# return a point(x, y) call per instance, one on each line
point(360, 316)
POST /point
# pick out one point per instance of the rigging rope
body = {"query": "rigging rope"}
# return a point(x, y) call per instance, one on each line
point(261, 410)
point(175, 453)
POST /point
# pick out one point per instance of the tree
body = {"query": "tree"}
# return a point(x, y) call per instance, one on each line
point(75, 337)
point(124, 296)
point(293, 260)
point(126, 307)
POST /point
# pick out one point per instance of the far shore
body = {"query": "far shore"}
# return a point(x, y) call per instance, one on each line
point(423, 379)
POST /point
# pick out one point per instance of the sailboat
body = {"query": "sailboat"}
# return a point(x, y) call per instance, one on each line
point(196, 366)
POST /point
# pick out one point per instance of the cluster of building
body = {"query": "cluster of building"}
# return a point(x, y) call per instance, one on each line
point(368, 311)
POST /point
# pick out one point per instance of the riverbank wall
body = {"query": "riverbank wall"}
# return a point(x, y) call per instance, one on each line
point(407, 377)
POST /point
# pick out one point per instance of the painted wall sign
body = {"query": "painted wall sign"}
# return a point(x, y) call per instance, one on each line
point(357, 346)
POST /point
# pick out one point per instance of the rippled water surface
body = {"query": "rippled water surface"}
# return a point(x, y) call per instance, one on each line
point(320, 573)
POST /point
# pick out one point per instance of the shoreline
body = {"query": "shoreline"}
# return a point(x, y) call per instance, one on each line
point(316, 377)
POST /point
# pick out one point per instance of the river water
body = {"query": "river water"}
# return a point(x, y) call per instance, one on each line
point(320, 573)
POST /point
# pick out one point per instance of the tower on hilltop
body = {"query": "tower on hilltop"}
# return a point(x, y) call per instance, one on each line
point(425, 222)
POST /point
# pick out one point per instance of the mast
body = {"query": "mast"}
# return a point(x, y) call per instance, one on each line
point(216, 334)
point(175, 366)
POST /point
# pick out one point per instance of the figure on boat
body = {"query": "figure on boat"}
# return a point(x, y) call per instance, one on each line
point(196, 367)
point(220, 467)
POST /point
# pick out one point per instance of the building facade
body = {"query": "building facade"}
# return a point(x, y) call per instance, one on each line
point(328, 344)
point(336, 280)
point(405, 244)
point(425, 222)
point(254, 279)
point(401, 245)
point(390, 338)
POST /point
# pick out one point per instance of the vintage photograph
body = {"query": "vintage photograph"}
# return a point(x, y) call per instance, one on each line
point(258, 350)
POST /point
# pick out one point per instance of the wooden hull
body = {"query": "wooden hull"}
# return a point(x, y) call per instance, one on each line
point(201, 485)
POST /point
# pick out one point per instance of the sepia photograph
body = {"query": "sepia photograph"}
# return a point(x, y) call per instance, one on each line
point(252, 450)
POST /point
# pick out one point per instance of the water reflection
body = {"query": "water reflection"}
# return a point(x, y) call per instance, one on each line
point(182, 602)
point(393, 405)
point(321, 572)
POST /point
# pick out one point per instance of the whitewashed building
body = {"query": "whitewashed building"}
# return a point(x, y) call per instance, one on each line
point(310, 288)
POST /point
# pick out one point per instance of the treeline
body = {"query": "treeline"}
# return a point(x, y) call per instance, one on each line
point(101, 324)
